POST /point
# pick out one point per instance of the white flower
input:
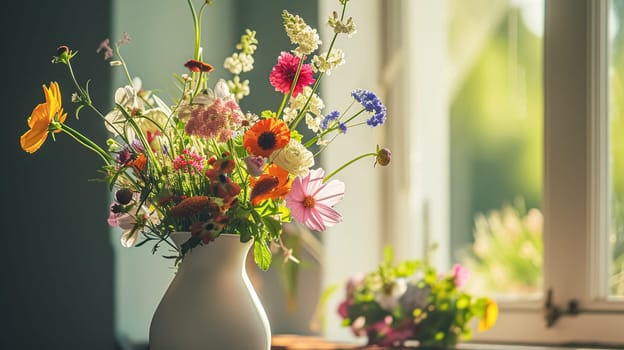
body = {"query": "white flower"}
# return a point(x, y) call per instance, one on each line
point(315, 106)
point(238, 88)
point(221, 91)
point(313, 123)
point(339, 26)
point(125, 97)
point(153, 120)
point(289, 114)
point(294, 157)
point(300, 34)
point(335, 59)
point(233, 64)
point(313, 115)
point(239, 62)
point(388, 298)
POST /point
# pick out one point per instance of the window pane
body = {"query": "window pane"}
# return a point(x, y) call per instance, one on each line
point(616, 131)
point(496, 118)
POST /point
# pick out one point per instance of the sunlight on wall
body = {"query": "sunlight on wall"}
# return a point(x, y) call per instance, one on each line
point(353, 245)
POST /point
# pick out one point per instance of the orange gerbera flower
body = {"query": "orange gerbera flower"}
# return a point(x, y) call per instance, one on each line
point(266, 136)
point(273, 184)
point(41, 117)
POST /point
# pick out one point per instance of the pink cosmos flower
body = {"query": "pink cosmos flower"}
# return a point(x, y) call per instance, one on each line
point(283, 74)
point(310, 200)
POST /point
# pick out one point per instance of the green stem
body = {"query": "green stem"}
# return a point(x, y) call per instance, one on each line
point(373, 154)
point(292, 87)
point(141, 136)
point(282, 105)
point(125, 67)
point(85, 141)
point(83, 93)
point(195, 25)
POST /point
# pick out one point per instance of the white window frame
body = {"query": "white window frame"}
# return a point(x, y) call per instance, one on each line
point(576, 176)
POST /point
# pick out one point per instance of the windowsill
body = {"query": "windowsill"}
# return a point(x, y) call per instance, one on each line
point(294, 342)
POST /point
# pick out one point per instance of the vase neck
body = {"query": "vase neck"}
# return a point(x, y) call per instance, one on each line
point(225, 251)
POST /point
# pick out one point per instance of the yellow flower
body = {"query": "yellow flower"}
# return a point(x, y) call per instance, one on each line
point(41, 117)
point(490, 316)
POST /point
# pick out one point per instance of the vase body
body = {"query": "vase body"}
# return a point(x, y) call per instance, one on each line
point(210, 303)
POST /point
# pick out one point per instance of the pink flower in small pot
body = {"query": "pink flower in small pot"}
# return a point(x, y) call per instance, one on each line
point(353, 284)
point(343, 309)
point(460, 275)
point(310, 200)
point(389, 336)
point(358, 327)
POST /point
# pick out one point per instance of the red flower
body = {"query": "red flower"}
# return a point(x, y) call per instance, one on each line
point(198, 66)
point(283, 74)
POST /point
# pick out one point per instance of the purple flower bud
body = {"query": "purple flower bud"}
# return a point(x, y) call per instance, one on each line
point(123, 196)
point(255, 165)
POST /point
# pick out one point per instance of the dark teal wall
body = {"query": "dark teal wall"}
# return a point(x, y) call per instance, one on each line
point(56, 259)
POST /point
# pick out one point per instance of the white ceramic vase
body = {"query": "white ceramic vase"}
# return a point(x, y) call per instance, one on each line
point(211, 303)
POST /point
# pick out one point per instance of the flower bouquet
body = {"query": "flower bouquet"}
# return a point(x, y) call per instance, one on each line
point(411, 302)
point(202, 162)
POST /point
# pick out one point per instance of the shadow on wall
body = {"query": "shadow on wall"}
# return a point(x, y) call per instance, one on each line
point(57, 282)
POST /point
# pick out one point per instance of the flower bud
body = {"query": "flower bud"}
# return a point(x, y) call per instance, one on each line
point(255, 165)
point(123, 196)
point(62, 50)
point(62, 55)
point(383, 156)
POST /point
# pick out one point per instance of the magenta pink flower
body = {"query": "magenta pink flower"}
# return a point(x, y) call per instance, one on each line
point(283, 74)
point(310, 200)
point(189, 161)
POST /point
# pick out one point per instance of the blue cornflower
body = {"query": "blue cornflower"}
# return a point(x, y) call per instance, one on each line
point(377, 118)
point(373, 104)
point(343, 127)
point(328, 118)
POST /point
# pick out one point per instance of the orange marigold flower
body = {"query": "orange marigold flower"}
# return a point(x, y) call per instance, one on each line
point(193, 206)
point(139, 163)
point(41, 117)
point(198, 66)
point(266, 136)
point(271, 185)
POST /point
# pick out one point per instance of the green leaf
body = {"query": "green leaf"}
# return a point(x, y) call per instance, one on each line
point(388, 255)
point(262, 254)
point(273, 226)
